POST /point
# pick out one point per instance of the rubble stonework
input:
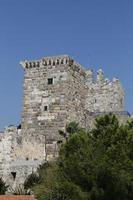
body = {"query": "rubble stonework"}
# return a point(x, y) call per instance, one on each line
point(57, 90)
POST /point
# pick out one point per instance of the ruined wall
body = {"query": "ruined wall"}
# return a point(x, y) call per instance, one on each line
point(123, 117)
point(105, 95)
point(16, 157)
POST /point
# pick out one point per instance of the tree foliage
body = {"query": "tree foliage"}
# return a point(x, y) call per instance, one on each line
point(3, 187)
point(92, 165)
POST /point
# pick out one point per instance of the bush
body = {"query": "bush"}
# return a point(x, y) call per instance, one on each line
point(66, 191)
point(32, 180)
point(3, 187)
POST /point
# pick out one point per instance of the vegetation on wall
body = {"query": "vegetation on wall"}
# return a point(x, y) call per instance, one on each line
point(92, 165)
point(3, 187)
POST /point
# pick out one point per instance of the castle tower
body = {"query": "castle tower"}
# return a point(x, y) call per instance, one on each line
point(54, 94)
point(58, 90)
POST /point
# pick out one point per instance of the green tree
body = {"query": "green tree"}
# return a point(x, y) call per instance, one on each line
point(53, 186)
point(71, 128)
point(92, 165)
point(100, 162)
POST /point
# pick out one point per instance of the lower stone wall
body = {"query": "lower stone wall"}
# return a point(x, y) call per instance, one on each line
point(123, 117)
point(19, 170)
point(19, 157)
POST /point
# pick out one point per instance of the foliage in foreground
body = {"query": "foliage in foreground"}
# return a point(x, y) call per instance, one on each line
point(93, 165)
point(3, 187)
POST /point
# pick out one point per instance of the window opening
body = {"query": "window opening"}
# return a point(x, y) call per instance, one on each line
point(50, 81)
point(13, 175)
point(45, 108)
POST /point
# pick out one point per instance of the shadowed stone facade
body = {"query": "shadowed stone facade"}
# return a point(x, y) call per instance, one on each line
point(57, 90)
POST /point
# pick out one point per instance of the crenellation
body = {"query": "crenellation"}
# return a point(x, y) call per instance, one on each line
point(100, 76)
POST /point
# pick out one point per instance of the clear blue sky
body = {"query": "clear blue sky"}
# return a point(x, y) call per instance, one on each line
point(97, 33)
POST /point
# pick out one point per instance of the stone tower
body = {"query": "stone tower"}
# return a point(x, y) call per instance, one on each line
point(58, 90)
point(54, 93)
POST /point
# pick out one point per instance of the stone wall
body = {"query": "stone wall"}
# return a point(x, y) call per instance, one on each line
point(16, 157)
point(54, 93)
point(105, 95)
point(122, 116)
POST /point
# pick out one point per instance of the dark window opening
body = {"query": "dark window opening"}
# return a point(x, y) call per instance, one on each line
point(26, 65)
point(50, 81)
point(45, 108)
point(19, 126)
point(53, 63)
point(62, 62)
point(27, 158)
point(13, 175)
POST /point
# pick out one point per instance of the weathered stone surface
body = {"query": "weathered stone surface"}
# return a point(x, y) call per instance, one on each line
point(70, 95)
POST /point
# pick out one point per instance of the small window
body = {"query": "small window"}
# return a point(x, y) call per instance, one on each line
point(50, 81)
point(45, 108)
point(13, 175)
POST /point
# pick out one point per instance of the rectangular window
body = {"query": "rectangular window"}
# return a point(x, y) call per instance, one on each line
point(50, 81)
point(45, 108)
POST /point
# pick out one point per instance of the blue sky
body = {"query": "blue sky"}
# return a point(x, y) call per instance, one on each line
point(96, 33)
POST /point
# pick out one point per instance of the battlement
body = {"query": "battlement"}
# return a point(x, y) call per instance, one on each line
point(100, 79)
point(49, 61)
point(54, 61)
